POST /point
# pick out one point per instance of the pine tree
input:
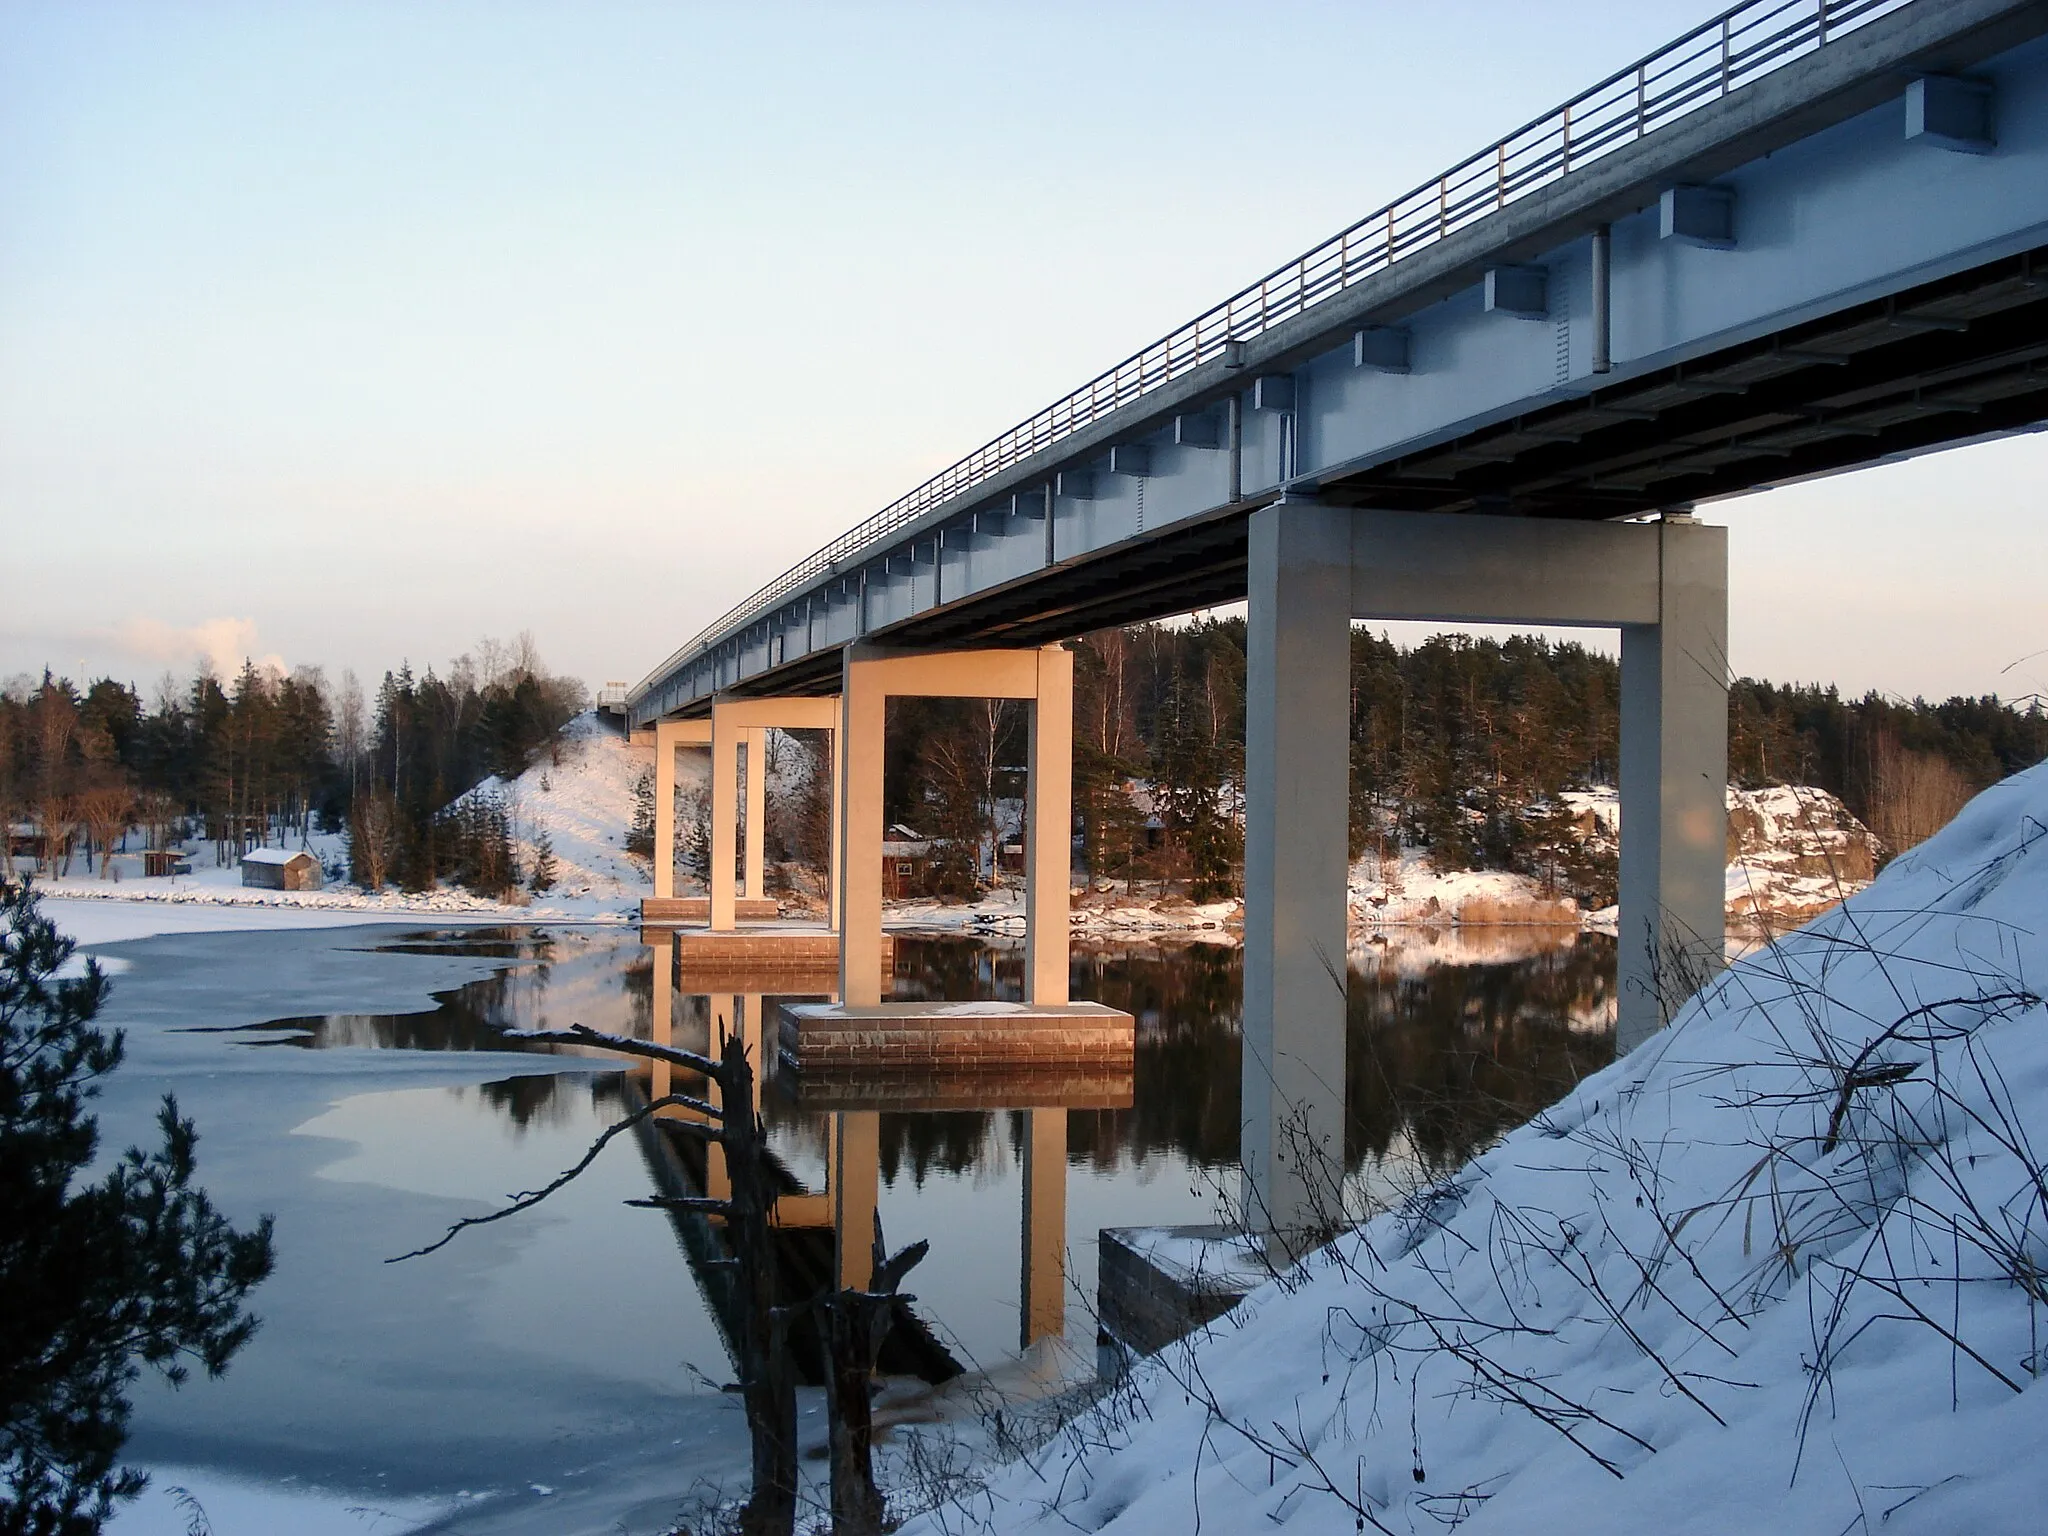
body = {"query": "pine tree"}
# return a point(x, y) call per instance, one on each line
point(542, 879)
point(96, 1279)
point(640, 837)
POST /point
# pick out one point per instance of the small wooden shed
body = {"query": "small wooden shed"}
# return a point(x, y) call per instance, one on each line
point(281, 869)
point(906, 863)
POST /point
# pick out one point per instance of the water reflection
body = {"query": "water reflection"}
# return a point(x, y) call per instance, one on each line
point(551, 1101)
point(1451, 1042)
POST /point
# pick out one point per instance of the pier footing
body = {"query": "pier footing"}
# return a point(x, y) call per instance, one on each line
point(663, 911)
point(752, 953)
point(990, 1036)
point(1158, 1284)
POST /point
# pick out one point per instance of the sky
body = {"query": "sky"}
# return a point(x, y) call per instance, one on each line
point(345, 334)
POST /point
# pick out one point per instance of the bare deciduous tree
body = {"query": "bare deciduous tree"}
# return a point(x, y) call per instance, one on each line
point(372, 837)
point(104, 806)
point(351, 728)
point(55, 734)
point(1913, 795)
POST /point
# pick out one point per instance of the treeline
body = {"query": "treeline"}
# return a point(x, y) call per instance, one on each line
point(244, 762)
point(430, 740)
point(1461, 747)
point(269, 757)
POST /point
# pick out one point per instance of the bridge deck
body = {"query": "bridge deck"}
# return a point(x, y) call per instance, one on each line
point(1883, 296)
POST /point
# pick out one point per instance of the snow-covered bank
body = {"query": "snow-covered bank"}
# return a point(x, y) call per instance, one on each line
point(1002, 912)
point(1793, 852)
point(1781, 1269)
point(580, 798)
point(115, 922)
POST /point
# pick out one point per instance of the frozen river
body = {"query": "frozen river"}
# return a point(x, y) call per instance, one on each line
point(558, 1372)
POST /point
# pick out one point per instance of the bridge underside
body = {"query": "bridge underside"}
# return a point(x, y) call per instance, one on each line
point(1803, 278)
point(1796, 278)
point(1948, 361)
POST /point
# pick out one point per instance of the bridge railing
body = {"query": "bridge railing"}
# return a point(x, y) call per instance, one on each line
point(1734, 48)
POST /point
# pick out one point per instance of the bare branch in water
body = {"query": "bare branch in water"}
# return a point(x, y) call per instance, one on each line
point(528, 1200)
point(709, 1203)
point(583, 1034)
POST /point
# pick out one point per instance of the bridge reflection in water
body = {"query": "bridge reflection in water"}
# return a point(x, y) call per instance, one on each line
point(1453, 1039)
point(824, 1235)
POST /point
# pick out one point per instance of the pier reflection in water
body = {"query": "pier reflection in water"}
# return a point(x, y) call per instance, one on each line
point(1452, 1041)
point(847, 1105)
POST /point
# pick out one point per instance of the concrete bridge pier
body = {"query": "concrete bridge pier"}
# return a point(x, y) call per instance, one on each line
point(1044, 679)
point(746, 722)
point(668, 736)
point(722, 883)
point(736, 892)
point(1313, 569)
point(1047, 1026)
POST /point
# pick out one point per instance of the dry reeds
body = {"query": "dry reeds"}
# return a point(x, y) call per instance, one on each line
point(1504, 911)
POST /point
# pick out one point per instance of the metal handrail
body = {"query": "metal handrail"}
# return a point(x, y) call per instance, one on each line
point(1741, 44)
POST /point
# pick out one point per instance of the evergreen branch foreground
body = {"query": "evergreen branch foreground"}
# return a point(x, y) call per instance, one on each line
point(102, 1276)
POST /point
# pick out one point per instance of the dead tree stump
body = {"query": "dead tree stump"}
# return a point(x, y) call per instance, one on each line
point(856, 1323)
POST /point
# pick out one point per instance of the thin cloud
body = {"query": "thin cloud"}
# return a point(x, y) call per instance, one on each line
point(225, 642)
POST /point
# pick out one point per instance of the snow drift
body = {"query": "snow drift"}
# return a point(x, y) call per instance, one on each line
point(1785, 1268)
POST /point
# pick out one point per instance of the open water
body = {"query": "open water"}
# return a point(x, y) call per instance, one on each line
point(562, 1369)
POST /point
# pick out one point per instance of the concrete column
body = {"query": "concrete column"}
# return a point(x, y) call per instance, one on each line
point(1048, 829)
point(1674, 776)
point(665, 734)
point(1042, 1295)
point(662, 1010)
point(834, 858)
point(856, 1179)
point(1297, 776)
point(862, 712)
point(725, 773)
point(757, 793)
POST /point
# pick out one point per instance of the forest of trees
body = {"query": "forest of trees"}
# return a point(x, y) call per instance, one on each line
point(270, 756)
point(1461, 747)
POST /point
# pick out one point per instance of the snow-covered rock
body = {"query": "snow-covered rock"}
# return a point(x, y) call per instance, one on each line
point(1409, 889)
point(1785, 1268)
point(1793, 852)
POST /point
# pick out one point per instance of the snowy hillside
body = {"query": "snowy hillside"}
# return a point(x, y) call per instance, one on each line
point(1780, 1270)
point(581, 797)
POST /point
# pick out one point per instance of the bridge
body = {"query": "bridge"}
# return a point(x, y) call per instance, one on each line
point(1808, 236)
